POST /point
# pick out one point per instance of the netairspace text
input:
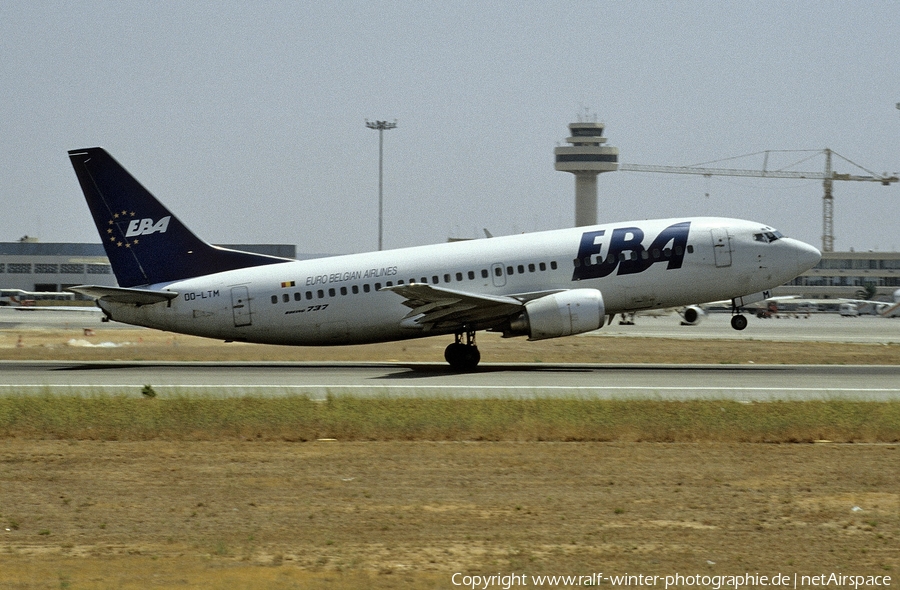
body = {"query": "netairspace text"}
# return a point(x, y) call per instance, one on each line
point(678, 580)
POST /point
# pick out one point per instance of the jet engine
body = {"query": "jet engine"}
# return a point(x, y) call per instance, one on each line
point(692, 315)
point(561, 314)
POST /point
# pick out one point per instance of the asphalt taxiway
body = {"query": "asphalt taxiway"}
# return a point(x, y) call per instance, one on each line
point(786, 327)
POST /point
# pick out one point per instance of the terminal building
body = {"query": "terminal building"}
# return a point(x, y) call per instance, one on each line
point(845, 274)
point(35, 266)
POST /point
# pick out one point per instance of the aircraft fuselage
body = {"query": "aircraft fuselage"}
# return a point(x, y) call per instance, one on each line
point(342, 300)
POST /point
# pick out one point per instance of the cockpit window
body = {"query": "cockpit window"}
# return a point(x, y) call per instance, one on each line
point(768, 237)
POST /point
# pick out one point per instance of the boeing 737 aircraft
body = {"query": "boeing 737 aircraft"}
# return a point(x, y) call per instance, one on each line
point(540, 285)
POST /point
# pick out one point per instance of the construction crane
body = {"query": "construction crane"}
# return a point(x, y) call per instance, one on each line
point(827, 177)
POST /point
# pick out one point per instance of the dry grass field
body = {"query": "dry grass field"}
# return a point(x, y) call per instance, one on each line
point(143, 344)
point(250, 513)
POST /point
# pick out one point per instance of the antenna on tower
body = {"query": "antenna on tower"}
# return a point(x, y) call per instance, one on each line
point(584, 115)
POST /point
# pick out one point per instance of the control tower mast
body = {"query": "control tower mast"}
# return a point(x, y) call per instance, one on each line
point(586, 158)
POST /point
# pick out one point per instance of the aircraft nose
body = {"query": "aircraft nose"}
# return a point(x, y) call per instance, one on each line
point(807, 256)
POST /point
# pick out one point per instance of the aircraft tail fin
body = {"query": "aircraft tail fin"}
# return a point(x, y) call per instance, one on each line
point(144, 242)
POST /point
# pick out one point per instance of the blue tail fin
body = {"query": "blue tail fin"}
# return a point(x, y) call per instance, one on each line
point(144, 242)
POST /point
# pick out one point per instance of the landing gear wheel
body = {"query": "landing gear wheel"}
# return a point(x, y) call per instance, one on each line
point(463, 357)
point(738, 322)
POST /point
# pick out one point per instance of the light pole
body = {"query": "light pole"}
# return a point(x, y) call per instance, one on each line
point(381, 126)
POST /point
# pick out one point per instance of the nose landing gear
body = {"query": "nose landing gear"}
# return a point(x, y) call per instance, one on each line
point(463, 356)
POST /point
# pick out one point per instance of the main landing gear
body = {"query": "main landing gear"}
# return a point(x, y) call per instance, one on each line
point(463, 356)
point(738, 321)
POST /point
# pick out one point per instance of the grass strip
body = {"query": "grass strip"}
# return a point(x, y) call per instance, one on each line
point(346, 418)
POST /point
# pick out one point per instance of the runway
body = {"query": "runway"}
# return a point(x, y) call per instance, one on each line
point(760, 383)
point(660, 381)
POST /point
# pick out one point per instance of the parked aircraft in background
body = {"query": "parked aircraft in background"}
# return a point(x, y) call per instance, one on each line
point(794, 304)
point(21, 298)
point(540, 285)
point(842, 305)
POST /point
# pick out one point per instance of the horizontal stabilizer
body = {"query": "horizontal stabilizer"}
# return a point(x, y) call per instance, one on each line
point(122, 295)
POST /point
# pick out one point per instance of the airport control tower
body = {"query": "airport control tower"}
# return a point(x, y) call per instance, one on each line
point(586, 158)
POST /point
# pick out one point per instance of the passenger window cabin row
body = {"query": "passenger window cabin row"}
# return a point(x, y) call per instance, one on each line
point(435, 279)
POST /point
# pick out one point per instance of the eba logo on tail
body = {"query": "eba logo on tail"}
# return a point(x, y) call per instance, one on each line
point(145, 227)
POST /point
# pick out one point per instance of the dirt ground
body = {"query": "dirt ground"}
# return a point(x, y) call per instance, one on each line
point(331, 514)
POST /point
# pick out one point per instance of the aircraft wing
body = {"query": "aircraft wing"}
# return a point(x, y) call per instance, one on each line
point(437, 308)
point(123, 295)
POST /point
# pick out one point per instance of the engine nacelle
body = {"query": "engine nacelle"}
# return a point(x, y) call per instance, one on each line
point(561, 314)
point(692, 315)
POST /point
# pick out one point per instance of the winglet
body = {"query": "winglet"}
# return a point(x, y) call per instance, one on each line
point(144, 241)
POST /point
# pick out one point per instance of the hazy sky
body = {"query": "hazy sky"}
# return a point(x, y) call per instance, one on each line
point(247, 119)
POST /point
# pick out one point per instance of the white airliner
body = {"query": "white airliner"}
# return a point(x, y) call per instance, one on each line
point(540, 285)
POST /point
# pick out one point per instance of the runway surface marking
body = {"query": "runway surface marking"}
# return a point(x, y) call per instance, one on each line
point(659, 382)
